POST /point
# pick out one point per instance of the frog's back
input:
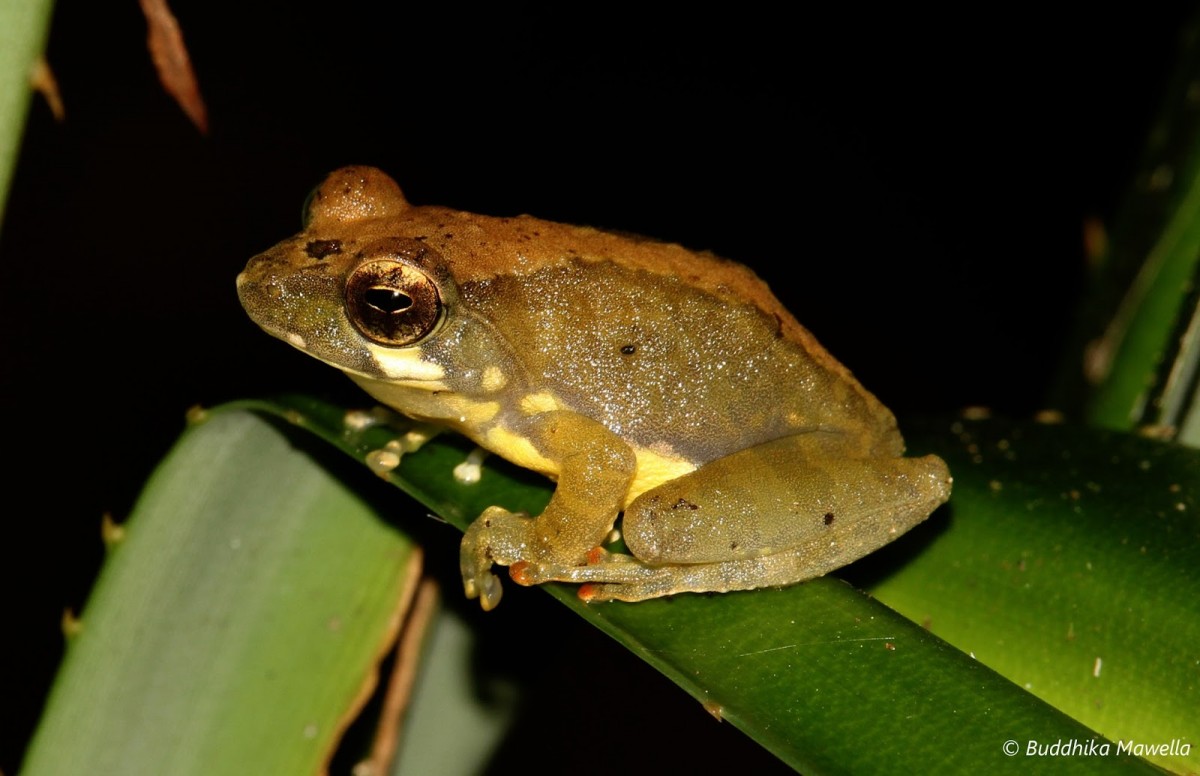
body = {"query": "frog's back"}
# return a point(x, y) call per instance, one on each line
point(676, 351)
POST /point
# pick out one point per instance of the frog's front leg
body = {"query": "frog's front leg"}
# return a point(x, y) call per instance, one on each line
point(594, 469)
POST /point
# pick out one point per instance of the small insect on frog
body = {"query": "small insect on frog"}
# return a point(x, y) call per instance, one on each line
point(649, 380)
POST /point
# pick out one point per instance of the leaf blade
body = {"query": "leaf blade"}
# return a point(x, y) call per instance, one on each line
point(1067, 563)
point(738, 651)
point(234, 627)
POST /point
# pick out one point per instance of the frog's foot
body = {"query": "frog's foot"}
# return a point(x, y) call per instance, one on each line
point(618, 577)
point(605, 571)
point(470, 471)
point(496, 536)
point(387, 459)
point(632, 580)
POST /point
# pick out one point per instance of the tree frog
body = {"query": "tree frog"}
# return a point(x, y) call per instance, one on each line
point(652, 382)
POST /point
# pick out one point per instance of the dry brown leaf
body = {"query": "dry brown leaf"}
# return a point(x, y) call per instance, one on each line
point(400, 684)
point(165, 41)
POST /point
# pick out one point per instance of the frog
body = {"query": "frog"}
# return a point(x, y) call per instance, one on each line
point(664, 390)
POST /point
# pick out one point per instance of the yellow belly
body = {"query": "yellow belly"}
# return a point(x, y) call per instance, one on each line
point(653, 468)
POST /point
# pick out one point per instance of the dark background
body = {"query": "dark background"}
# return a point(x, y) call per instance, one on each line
point(912, 186)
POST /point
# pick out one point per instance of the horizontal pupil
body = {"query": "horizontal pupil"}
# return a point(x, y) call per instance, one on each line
point(388, 300)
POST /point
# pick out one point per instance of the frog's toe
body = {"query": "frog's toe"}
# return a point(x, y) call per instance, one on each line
point(485, 586)
point(640, 590)
point(490, 592)
point(478, 579)
point(529, 573)
point(597, 592)
point(524, 573)
point(590, 591)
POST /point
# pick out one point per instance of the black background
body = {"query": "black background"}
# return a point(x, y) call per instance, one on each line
point(911, 185)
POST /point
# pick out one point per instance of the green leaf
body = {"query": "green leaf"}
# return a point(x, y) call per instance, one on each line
point(237, 624)
point(1068, 563)
point(1141, 315)
point(812, 671)
point(23, 27)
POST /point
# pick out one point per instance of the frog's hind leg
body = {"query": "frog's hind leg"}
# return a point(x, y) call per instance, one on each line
point(623, 578)
point(767, 516)
point(777, 570)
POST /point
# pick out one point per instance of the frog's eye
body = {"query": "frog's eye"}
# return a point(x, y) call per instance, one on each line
point(393, 304)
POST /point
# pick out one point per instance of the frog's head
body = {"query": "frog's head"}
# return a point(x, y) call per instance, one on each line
point(362, 289)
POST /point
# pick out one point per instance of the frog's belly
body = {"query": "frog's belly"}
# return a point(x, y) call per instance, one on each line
point(653, 469)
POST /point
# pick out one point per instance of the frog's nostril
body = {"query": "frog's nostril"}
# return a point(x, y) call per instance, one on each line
point(319, 249)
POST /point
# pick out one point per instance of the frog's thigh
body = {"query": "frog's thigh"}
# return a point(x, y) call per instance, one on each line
point(782, 497)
